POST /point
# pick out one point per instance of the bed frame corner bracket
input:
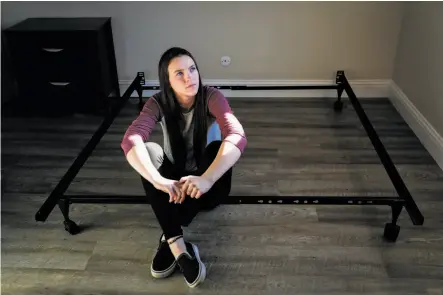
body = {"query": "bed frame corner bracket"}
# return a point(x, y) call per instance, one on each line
point(339, 77)
point(142, 77)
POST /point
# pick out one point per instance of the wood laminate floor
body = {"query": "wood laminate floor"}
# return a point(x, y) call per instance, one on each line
point(295, 147)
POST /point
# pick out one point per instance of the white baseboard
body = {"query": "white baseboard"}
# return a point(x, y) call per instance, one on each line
point(426, 133)
point(362, 88)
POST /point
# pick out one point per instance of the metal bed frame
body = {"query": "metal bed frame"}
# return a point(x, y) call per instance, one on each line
point(391, 230)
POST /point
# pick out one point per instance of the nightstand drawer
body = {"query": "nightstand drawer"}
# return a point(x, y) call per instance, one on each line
point(75, 88)
point(73, 95)
point(54, 55)
point(50, 98)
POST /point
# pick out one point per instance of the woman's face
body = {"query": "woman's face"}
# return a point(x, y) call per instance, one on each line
point(184, 79)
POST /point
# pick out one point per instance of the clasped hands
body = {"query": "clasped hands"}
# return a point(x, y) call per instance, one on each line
point(193, 186)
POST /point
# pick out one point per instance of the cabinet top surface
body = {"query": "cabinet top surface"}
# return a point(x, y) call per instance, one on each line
point(59, 24)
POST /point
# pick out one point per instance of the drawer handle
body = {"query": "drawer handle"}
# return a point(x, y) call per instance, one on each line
point(59, 83)
point(53, 49)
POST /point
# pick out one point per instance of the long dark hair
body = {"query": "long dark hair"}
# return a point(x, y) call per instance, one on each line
point(173, 115)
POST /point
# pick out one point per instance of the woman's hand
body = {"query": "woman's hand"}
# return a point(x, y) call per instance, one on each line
point(172, 188)
point(195, 186)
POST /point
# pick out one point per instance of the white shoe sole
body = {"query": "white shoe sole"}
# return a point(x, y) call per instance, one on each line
point(163, 274)
point(202, 274)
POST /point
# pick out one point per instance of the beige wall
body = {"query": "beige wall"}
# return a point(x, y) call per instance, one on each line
point(419, 61)
point(295, 40)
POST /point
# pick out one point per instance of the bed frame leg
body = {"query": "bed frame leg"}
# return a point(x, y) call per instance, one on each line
point(392, 229)
point(139, 89)
point(70, 226)
point(338, 104)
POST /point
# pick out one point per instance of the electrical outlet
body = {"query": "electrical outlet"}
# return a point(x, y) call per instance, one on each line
point(225, 61)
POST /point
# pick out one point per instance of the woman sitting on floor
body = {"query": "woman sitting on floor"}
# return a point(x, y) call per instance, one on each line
point(202, 141)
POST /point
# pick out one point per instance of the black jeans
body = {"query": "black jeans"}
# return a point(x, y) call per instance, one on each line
point(171, 216)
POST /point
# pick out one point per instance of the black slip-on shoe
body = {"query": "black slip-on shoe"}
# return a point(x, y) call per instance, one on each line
point(191, 266)
point(164, 263)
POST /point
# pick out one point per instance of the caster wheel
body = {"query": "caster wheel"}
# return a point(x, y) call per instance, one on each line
point(71, 227)
point(391, 232)
point(338, 106)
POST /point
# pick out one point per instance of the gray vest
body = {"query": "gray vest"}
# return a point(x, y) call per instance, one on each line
point(213, 133)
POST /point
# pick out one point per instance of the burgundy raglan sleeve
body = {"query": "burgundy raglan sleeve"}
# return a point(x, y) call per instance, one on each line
point(231, 128)
point(142, 125)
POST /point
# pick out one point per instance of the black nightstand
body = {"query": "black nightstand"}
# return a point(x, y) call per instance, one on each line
point(63, 65)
